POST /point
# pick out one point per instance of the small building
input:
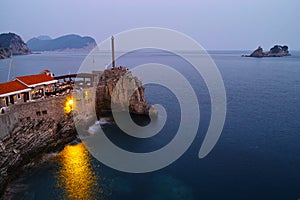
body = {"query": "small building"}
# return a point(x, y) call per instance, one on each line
point(13, 92)
point(26, 88)
point(47, 72)
point(84, 80)
point(39, 84)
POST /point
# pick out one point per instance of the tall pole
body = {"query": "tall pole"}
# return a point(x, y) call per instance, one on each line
point(113, 52)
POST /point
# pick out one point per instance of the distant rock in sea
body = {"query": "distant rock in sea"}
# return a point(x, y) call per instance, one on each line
point(67, 42)
point(11, 43)
point(276, 51)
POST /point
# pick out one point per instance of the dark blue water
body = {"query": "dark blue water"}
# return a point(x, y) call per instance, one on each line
point(256, 157)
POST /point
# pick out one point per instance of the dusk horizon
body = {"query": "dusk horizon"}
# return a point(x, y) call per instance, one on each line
point(225, 25)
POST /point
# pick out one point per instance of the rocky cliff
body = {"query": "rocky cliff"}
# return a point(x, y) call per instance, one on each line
point(66, 42)
point(124, 85)
point(276, 51)
point(4, 53)
point(28, 142)
point(12, 43)
point(38, 135)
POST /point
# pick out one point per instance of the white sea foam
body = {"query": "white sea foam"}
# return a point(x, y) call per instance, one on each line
point(95, 127)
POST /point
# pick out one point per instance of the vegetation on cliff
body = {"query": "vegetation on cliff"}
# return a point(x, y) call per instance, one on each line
point(11, 43)
point(45, 43)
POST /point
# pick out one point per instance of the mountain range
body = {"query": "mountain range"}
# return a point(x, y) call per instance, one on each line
point(72, 41)
point(12, 44)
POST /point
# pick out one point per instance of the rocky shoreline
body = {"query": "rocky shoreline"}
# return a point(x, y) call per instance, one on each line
point(29, 142)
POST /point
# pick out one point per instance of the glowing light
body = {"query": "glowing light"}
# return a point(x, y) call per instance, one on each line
point(69, 106)
point(76, 176)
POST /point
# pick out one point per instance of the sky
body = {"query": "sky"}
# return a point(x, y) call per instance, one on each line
point(215, 24)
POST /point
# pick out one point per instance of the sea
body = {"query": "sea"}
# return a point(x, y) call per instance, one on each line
point(256, 157)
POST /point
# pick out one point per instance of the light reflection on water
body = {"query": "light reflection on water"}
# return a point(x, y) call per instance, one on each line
point(76, 176)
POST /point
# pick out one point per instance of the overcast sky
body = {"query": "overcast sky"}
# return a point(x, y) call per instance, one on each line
point(215, 24)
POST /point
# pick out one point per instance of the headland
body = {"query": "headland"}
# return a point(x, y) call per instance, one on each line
point(38, 117)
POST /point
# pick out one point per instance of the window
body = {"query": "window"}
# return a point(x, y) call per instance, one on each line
point(19, 96)
point(44, 112)
point(38, 113)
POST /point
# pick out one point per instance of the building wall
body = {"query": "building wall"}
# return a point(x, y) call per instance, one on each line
point(18, 114)
point(8, 122)
point(2, 102)
point(15, 98)
point(43, 108)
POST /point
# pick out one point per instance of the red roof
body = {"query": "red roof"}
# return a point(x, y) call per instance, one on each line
point(12, 86)
point(35, 79)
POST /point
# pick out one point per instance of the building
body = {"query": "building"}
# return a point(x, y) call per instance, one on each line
point(39, 84)
point(13, 92)
point(47, 72)
point(26, 88)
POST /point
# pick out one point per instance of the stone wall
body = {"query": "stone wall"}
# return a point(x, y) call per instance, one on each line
point(52, 107)
point(19, 114)
point(8, 122)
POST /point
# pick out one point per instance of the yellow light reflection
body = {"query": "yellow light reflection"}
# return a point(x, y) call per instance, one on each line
point(68, 106)
point(75, 175)
point(86, 94)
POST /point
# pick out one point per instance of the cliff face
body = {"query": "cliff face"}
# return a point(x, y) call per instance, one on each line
point(74, 42)
point(14, 44)
point(276, 51)
point(30, 141)
point(126, 84)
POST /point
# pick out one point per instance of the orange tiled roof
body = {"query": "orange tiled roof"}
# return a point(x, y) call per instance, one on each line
point(12, 86)
point(35, 79)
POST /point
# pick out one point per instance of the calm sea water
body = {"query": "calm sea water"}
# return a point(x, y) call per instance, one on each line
point(256, 157)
